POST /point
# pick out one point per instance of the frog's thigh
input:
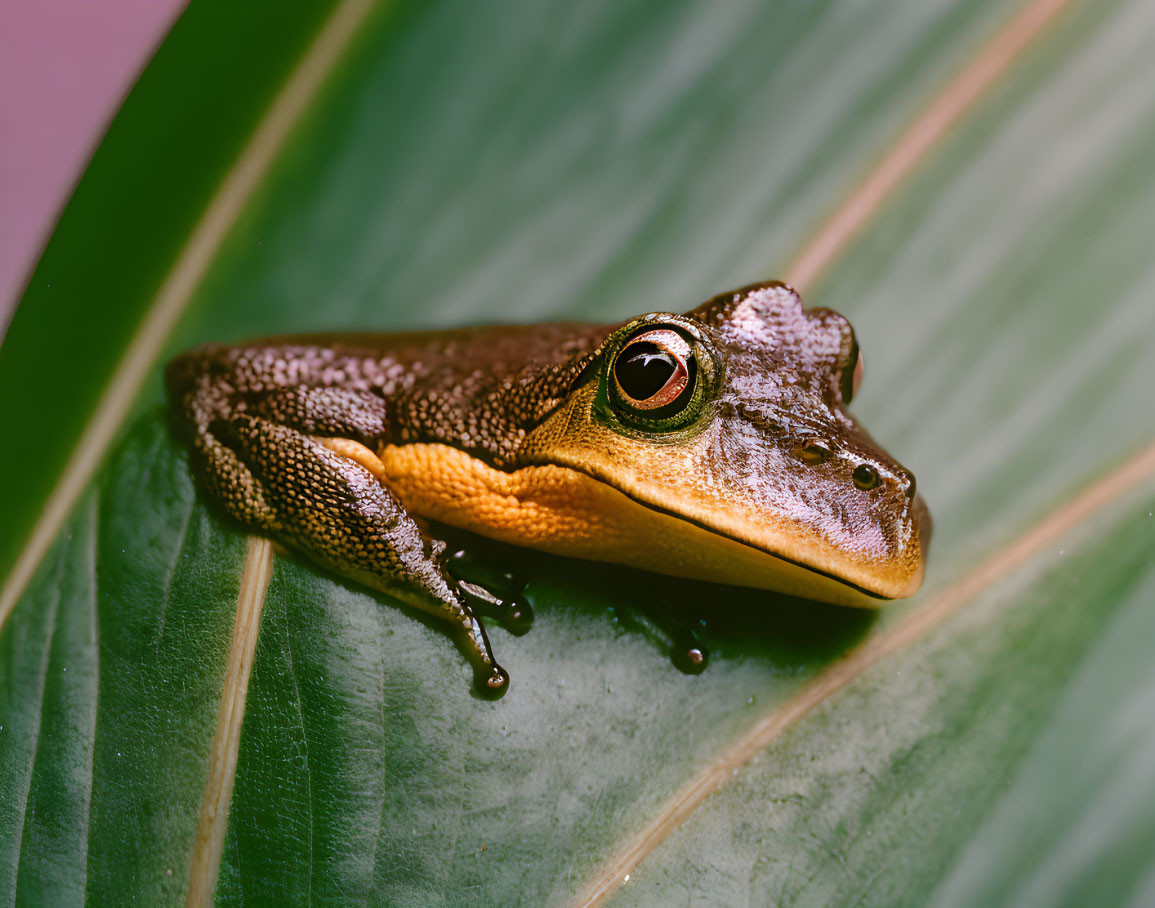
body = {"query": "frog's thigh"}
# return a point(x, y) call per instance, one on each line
point(230, 482)
point(333, 509)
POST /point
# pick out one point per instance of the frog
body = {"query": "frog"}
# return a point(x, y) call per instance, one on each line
point(714, 444)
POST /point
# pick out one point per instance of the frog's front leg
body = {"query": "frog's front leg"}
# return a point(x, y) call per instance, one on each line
point(664, 619)
point(315, 494)
point(492, 590)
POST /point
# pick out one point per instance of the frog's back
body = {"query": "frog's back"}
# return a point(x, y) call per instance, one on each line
point(480, 389)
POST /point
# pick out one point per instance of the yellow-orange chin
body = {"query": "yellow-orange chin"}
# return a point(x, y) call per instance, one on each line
point(566, 512)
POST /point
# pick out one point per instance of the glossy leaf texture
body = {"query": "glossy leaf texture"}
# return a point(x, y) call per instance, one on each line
point(464, 164)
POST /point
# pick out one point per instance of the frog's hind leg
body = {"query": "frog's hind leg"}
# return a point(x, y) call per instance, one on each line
point(327, 505)
point(231, 484)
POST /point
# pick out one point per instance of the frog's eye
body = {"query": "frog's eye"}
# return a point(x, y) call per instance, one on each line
point(654, 373)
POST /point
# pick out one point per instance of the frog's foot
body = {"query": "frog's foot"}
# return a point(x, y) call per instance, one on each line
point(691, 656)
point(493, 593)
point(515, 614)
point(322, 502)
point(667, 625)
point(491, 680)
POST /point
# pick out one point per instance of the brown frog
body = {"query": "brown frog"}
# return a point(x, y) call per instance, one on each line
point(714, 445)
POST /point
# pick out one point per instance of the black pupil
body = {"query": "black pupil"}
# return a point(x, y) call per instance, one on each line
point(643, 370)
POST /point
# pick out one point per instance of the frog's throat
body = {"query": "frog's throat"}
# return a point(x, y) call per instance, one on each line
point(564, 511)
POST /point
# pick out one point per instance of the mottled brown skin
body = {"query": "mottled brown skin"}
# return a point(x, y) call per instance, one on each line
point(766, 463)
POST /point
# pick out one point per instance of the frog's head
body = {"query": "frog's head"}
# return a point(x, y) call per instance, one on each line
point(732, 420)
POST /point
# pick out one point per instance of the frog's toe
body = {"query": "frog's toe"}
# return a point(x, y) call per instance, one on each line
point(516, 616)
point(673, 627)
point(514, 613)
point(690, 657)
point(493, 682)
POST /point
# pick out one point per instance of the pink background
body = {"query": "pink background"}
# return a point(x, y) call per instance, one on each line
point(65, 66)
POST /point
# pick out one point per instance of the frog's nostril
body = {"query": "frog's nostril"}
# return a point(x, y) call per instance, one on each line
point(908, 481)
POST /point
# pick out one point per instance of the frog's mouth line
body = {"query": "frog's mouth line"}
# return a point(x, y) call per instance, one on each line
point(722, 534)
point(922, 518)
point(569, 512)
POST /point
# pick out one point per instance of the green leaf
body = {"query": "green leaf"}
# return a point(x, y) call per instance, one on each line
point(1005, 759)
point(986, 741)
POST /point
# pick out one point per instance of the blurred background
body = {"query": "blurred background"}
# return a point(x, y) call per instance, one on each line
point(65, 66)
